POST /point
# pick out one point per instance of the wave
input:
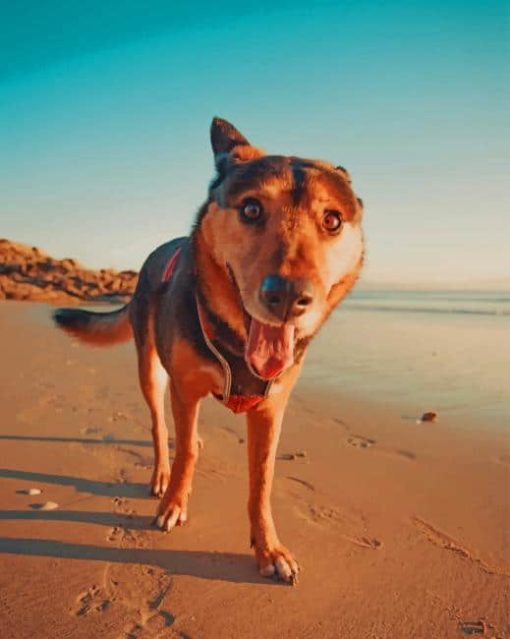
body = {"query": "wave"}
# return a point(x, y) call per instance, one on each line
point(441, 302)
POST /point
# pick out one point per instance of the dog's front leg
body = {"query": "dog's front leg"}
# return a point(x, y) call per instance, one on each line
point(174, 504)
point(273, 559)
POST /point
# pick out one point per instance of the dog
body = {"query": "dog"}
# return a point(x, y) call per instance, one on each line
point(230, 311)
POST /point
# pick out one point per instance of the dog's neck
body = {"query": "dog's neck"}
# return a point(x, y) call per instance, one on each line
point(219, 297)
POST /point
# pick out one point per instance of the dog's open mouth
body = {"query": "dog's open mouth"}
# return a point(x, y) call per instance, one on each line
point(269, 349)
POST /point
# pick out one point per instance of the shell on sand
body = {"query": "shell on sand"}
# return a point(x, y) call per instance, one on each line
point(48, 505)
point(29, 491)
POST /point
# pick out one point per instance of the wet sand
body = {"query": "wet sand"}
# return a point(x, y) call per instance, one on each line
point(401, 528)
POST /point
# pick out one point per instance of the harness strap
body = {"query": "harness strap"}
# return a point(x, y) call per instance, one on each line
point(236, 403)
point(208, 333)
point(171, 264)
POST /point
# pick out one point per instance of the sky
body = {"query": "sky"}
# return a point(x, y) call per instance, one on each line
point(105, 109)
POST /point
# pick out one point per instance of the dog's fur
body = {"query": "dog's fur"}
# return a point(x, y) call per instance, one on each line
point(223, 263)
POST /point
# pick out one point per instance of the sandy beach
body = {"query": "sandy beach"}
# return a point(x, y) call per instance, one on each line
point(401, 527)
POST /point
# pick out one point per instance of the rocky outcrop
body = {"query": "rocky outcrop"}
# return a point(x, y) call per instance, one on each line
point(27, 273)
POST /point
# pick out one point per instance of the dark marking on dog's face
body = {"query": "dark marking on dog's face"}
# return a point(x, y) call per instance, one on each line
point(287, 216)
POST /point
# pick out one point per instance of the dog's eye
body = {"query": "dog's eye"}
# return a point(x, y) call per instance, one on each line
point(332, 221)
point(251, 211)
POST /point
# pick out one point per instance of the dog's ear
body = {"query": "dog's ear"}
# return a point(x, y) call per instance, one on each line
point(224, 137)
point(230, 146)
point(344, 172)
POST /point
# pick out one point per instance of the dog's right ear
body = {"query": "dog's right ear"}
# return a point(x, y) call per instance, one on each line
point(230, 146)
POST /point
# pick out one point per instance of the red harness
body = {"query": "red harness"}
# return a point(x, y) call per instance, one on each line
point(236, 403)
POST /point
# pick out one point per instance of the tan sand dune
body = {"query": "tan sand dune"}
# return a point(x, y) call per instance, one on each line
point(399, 527)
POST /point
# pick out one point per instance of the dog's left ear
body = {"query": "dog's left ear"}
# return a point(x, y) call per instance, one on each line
point(229, 145)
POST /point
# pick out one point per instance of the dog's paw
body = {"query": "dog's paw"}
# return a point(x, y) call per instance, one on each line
point(277, 563)
point(160, 480)
point(172, 512)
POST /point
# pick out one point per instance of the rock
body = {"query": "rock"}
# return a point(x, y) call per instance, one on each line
point(286, 457)
point(429, 416)
point(27, 273)
point(68, 264)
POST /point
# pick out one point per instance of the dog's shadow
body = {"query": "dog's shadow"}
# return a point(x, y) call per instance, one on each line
point(205, 565)
point(105, 441)
point(222, 566)
point(101, 488)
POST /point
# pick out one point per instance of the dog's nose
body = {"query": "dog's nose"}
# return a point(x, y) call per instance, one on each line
point(285, 297)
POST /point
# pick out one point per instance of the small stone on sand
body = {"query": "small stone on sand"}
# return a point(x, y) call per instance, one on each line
point(429, 416)
point(29, 491)
point(48, 505)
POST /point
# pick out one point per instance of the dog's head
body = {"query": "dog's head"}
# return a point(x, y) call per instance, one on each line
point(283, 240)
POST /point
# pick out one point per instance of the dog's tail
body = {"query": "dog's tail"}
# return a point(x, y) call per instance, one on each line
point(100, 329)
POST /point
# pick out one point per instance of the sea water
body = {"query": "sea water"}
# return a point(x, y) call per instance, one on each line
point(423, 350)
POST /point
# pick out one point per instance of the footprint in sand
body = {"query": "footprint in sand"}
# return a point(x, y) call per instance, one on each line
point(90, 430)
point(143, 598)
point(351, 526)
point(341, 423)
point(119, 534)
point(118, 416)
point(303, 482)
point(360, 442)
point(92, 600)
point(472, 627)
point(406, 453)
point(348, 523)
point(150, 627)
point(121, 505)
point(301, 454)
point(137, 458)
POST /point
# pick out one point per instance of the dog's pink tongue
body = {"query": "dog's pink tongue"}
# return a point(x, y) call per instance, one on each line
point(269, 349)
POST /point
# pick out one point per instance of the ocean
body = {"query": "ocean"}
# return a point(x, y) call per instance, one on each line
point(420, 350)
point(459, 302)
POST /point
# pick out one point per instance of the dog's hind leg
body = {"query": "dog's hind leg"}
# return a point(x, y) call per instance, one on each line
point(154, 382)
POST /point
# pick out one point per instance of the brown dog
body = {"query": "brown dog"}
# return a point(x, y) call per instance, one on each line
point(230, 310)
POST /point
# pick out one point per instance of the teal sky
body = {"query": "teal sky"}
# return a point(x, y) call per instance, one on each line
point(105, 109)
